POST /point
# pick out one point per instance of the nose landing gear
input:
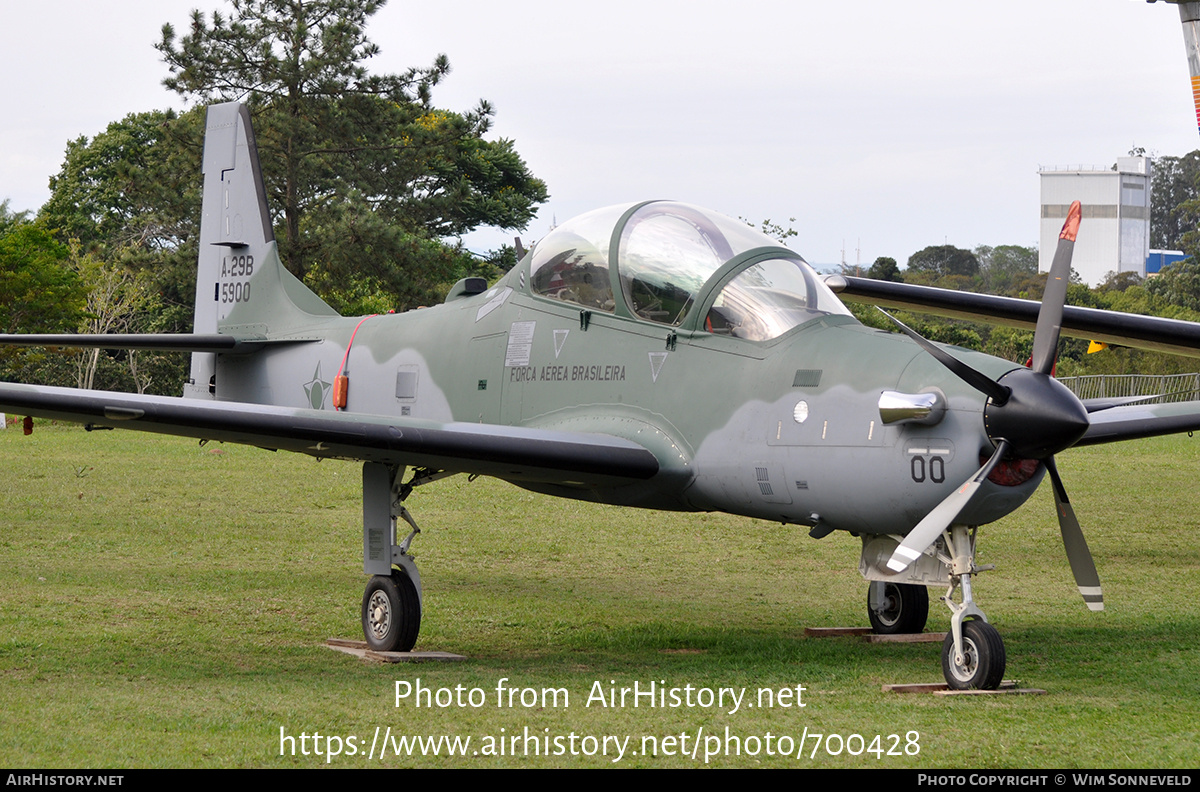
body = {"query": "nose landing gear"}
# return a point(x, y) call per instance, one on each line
point(973, 656)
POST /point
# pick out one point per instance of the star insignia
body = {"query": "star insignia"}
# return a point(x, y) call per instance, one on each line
point(317, 390)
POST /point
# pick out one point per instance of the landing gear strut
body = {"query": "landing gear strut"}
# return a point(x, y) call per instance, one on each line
point(391, 604)
point(973, 654)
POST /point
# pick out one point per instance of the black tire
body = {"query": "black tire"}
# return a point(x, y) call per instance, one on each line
point(983, 661)
point(391, 613)
point(906, 609)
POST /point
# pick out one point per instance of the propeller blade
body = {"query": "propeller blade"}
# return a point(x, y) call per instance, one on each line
point(1082, 565)
point(1049, 323)
point(976, 379)
point(929, 529)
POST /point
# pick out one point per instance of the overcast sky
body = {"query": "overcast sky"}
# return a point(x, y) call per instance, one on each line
point(882, 126)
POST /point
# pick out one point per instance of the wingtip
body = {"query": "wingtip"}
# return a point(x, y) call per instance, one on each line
point(1070, 228)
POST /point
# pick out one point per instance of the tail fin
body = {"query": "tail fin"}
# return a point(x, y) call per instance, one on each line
point(242, 289)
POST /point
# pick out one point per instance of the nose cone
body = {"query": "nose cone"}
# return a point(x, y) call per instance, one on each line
point(1040, 418)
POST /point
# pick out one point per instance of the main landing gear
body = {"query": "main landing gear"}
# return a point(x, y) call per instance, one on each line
point(973, 656)
point(391, 612)
point(897, 608)
point(391, 604)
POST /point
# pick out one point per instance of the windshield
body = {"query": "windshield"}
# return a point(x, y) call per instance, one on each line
point(769, 298)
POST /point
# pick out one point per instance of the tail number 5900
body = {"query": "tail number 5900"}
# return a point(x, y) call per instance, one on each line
point(236, 292)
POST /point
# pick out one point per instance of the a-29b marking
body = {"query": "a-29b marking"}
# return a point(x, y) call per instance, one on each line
point(236, 267)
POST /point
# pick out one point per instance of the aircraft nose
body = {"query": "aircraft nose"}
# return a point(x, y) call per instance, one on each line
point(1040, 417)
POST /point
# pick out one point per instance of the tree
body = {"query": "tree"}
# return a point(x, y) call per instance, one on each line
point(131, 195)
point(38, 292)
point(885, 268)
point(1006, 269)
point(1178, 284)
point(362, 169)
point(115, 298)
point(1173, 184)
point(136, 184)
point(9, 218)
point(942, 260)
point(1120, 281)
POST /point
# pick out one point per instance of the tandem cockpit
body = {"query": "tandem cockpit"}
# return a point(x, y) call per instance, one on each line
point(680, 266)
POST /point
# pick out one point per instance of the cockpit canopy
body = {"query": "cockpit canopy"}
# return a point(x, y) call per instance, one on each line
point(682, 266)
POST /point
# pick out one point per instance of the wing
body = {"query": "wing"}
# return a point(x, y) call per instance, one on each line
point(512, 453)
point(1134, 421)
point(1144, 332)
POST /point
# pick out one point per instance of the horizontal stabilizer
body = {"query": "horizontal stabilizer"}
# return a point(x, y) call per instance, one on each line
point(166, 342)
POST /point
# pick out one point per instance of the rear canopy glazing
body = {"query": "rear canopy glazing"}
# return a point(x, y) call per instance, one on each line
point(681, 266)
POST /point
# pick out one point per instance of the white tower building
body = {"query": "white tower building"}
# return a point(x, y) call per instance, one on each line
point(1114, 235)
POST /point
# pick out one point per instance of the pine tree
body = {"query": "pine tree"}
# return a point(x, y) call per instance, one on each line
point(368, 177)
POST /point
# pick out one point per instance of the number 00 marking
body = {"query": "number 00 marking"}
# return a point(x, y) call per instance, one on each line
point(934, 470)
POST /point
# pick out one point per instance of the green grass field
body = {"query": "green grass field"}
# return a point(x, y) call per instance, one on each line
point(166, 605)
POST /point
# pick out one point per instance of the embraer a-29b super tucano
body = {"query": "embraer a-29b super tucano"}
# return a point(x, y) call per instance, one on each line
point(651, 355)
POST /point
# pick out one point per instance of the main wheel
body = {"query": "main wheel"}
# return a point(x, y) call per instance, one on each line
point(983, 662)
point(905, 608)
point(391, 613)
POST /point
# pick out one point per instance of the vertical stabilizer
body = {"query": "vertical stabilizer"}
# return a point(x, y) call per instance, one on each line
point(242, 289)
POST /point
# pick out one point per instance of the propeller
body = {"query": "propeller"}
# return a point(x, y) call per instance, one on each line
point(1028, 415)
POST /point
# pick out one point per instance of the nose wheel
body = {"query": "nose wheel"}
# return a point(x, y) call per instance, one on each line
point(981, 664)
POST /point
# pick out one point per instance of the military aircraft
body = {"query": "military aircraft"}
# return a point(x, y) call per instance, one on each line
point(651, 355)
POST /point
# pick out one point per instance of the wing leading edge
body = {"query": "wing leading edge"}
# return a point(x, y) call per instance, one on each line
point(1144, 332)
point(513, 453)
